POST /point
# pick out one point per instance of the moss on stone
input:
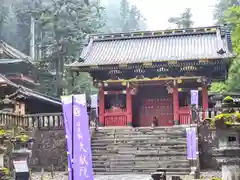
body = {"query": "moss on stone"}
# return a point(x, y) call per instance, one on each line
point(227, 119)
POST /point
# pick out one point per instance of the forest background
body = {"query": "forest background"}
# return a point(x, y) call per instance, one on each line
point(60, 28)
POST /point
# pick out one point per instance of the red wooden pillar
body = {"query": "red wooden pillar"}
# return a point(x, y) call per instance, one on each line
point(175, 104)
point(129, 105)
point(204, 99)
point(101, 106)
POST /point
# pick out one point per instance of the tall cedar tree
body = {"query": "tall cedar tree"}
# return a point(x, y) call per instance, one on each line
point(184, 20)
point(231, 16)
point(64, 24)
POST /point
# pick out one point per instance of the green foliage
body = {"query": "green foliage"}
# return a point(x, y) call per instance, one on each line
point(232, 16)
point(3, 172)
point(184, 20)
point(218, 87)
point(216, 178)
point(2, 132)
point(225, 118)
point(228, 11)
point(22, 138)
point(82, 84)
point(220, 8)
point(228, 99)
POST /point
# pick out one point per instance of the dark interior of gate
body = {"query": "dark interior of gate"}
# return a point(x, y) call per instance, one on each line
point(152, 104)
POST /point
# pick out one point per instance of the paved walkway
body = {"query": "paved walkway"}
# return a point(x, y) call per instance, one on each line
point(62, 176)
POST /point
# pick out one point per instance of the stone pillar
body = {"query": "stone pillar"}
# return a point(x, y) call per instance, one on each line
point(1, 160)
point(230, 170)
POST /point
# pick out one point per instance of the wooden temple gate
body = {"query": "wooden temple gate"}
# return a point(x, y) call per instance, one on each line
point(169, 63)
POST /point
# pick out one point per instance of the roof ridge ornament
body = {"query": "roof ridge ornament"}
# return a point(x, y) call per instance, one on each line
point(221, 51)
point(167, 32)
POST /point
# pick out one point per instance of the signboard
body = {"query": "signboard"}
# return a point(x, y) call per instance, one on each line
point(20, 166)
point(191, 143)
point(82, 161)
point(78, 137)
point(94, 101)
point(194, 97)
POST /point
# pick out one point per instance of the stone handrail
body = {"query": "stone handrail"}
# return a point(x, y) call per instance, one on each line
point(55, 120)
point(39, 121)
point(212, 112)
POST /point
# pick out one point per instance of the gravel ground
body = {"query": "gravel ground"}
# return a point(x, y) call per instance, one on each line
point(62, 176)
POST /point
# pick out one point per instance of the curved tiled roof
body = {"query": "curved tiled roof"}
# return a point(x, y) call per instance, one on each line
point(15, 54)
point(29, 92)
point(190, 44)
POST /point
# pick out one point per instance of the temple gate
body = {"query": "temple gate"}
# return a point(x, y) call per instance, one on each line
point(146, 78)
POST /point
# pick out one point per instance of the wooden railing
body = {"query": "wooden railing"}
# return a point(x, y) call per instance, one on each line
point(115, 117)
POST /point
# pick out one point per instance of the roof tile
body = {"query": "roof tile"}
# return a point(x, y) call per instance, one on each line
point(144, 49)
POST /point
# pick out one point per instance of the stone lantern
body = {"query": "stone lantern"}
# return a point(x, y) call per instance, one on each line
point(21, 152)
point(4, 172)
point(227, 154)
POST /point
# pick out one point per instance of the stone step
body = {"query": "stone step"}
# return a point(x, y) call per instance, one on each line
point(155, 164)
point(141, 172)
point(134, 136)
point(135, 169)
point(140, 150)
point(135, 150)
point(141, 161)
point(177, 132)
point(150, 148)
point(142, 129)
point(142, 153)
point(130, 158)
point(139, 140)
point(145, 146)
point(141, 166)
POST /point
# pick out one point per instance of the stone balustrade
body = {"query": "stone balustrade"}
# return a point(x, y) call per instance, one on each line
point(55, 120)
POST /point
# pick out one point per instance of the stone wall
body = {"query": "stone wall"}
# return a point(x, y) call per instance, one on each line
point(207, 144)
point(49, 150)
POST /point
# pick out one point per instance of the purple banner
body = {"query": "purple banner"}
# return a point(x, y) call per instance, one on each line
point(191, 143)
point(82, 154)
point(67, 115)
point(194, 97)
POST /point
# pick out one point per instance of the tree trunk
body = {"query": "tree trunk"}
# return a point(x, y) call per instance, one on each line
point(230, 172)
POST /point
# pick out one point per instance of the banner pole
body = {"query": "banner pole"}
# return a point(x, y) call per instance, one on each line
point(72, 136)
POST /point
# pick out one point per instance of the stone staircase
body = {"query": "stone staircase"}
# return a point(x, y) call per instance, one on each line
point(140, 150)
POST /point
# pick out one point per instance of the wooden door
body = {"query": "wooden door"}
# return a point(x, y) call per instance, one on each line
point(161, 108)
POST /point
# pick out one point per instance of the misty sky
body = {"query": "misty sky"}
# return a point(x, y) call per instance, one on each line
point(157, 12)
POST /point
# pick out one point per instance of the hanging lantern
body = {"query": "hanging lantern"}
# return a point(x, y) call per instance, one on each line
point(170, 90)
point(133, 91)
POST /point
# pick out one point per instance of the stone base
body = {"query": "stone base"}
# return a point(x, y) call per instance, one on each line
point(230, 172)
point(176, 122)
